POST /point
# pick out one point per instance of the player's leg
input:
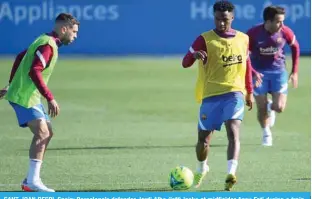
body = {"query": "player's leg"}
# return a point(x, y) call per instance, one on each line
point(278, 88)
point(279, 91)
point(202, 150)
point(233, 113)
point(50, 133)
point(36, 119)
point(207, 123)
point(279, 101)
point(263, 114)
point(41, 138)
point(232, 129)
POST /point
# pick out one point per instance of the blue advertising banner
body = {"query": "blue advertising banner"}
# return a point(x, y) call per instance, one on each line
point(123, 27)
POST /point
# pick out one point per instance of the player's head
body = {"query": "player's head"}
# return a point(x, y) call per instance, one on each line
point(273, 17)
point(223, 15)
point(66, 26)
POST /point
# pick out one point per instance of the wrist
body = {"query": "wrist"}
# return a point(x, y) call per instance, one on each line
point(50, 99)
point(194, 55)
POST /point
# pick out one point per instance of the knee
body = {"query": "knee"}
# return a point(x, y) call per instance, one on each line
point(44, 135)
point(278, 108)
point(204, 138)
point(51, 134)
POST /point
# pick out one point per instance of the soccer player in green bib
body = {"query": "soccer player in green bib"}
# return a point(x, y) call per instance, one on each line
point(28, 82)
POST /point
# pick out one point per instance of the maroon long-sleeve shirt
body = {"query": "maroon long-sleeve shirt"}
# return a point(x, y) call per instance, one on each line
point(267, 54)
point(200, 44)
point(43, 56)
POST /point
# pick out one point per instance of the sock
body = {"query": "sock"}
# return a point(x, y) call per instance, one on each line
point(202, 166)
point(232, 166)
point(267, 131)
point(34, 170)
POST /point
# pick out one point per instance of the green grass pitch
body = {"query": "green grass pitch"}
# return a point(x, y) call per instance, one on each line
point(126, 122)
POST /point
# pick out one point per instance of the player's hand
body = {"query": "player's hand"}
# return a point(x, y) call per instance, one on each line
point(258, 78)
point(202, 55)
point(53, 108)
point(249, 101)
point(3, 92)
point(293, 78)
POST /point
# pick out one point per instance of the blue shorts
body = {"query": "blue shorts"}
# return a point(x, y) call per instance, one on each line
point(272, 83)
point(25, 115)
point(218, 109)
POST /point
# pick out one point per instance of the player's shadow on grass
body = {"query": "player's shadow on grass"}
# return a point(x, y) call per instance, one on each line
point(303, 179)
point(137, 190)
point(128, 147)
point(12, 191)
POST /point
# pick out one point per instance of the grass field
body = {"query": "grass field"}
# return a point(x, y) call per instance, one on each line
point(126, 122)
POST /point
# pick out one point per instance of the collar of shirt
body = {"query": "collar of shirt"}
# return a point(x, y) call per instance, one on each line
point(230, 33)
point(56, 38)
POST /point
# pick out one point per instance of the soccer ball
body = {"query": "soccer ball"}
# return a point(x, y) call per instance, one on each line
point(181, 178)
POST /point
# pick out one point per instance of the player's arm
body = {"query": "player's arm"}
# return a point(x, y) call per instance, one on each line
point(250, 34)
point(295, 52)
point(43, 56)
point(16, 63)
point(256, 74)
point(295, 49)
point(198, 50)
point(248, 79)
point(248, 84)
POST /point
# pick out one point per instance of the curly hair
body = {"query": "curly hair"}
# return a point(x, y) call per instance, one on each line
point(223, 6)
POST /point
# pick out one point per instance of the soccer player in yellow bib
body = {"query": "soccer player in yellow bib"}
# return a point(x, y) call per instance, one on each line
point(224, 79)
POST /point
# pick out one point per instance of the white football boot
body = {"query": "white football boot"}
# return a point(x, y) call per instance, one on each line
point(36, 186)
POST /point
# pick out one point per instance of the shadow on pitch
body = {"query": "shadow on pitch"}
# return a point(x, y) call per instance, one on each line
point(137, 190)
point(12, 191)
point(127, 190)
point(121, 190)
point(221, 190)
point(127, 147)
point(303, 179)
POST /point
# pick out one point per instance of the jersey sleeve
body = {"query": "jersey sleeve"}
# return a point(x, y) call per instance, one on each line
point(198, 44)
point(43, 56)
point(289, 36)
point(251, 35)
point(16, 64)
point(294, 45)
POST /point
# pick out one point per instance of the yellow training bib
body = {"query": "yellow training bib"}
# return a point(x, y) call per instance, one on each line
point(225, 68)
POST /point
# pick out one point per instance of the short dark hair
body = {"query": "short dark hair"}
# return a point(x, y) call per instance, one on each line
point(67, 18)
point(223, 6)
point(270, 12)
